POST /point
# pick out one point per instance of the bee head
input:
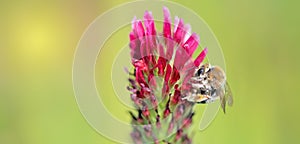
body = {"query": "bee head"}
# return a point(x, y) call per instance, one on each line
point(202, 70)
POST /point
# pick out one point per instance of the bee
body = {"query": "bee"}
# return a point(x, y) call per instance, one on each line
point(207, 85)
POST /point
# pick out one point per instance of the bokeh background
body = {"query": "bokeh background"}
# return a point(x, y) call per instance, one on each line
point(38, 40)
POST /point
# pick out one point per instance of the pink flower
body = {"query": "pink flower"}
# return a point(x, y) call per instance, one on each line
point(162, 64)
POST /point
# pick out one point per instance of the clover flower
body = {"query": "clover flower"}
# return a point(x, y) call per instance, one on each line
point(162, 66)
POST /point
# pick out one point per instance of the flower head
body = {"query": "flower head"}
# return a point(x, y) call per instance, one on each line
point(163, 64)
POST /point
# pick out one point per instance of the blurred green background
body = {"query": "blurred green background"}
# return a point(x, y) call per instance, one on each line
point(38, 39)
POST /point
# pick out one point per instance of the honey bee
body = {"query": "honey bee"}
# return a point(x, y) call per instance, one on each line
point(209, 84)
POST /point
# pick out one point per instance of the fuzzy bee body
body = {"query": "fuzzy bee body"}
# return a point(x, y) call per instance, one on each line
point(207, 85)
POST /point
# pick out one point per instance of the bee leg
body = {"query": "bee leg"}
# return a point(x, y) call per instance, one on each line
point(202, 102)
point(201, 99)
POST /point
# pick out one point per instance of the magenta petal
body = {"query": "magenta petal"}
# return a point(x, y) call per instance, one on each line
point(168, 73)
point(161, 64)
point(149, 23)
point(166, 87)
point(200, 57)
point(176, 22)
point(139, 29)
point(140, 64)
point(188, 30)
point(176, 96)
point(181, 58)
point(175, 76)
point(179, 33)
point(140, 77)
point(191, 44)
point(150, 32)
point(167, 34)
point(143, 49)
point(161, 51)
point(152, 80)
point(167, 23)
point(132, 38)
point(134, 46)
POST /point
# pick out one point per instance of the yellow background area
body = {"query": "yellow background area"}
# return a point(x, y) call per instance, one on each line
point(259, 39)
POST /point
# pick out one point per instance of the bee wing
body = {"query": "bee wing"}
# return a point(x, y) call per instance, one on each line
point(228, 94)
point(225, 96)
point(222, 99)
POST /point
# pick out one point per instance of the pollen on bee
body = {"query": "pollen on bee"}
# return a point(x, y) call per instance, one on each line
point(200, 97)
